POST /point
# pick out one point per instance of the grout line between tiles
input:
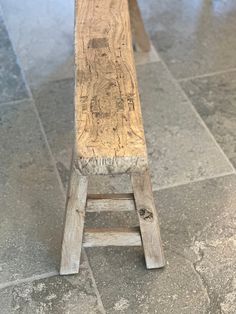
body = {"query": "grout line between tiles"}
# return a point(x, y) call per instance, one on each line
point(179, 184)
point(48, 81)
point(14, 102)
point(198, 115)
point(208, 131)
point(205, 75)
point(100, 304)
point(29, 279)
point(99, 299)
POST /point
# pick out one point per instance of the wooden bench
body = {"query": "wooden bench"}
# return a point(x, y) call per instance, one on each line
point(109, 135)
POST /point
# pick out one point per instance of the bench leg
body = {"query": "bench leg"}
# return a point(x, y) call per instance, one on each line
point(74, 223)
point(139, 33)
point(148, 220)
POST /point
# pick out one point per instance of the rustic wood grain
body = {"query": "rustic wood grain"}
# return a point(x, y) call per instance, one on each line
point(108, 121)
point(110, 202)
point(148, 220)
point(112, 237)
point(140, 36)
point(113, 205)
point(74, 223)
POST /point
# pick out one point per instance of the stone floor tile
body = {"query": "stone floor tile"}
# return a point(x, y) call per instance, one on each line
point(32, 205)
point(193, 37)
point(59, 295)
point(198, 222)
point(214, 97)
point(127, 287)
point(12, 86)
point(180, 149)
point(42, 34)
point(54, 101)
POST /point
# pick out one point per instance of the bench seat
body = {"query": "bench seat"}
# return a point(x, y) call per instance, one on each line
point(109, 135)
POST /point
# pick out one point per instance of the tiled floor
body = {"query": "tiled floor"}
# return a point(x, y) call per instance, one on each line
point(188, 92)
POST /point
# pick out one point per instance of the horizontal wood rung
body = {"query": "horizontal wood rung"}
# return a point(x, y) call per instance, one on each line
point(112, 205)
point(113, 196)
point(112, 237)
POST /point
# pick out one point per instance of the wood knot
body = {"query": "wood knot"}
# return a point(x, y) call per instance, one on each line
point(145, 214)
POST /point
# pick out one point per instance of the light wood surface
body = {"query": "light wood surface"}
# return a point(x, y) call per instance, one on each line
point(148, 220)
point(102, 205)
point(112, 237)
point(108, 122)
point(140, 36)
point(74, 223)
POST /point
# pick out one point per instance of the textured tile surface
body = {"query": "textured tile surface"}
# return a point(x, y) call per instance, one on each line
point(42, 34)
point(32, 209)
point(198, 232)
point(32, 205)
point(193, 37)
point(54, 102)
point(215, 99)
point(180, 149)
point(12, 86)
point(68, 294)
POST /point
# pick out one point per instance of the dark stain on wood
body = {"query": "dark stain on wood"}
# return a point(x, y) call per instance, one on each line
point(146, 214)
point(96, 43)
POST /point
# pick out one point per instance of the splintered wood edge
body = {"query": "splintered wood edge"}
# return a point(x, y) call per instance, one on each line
point(112, 237)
